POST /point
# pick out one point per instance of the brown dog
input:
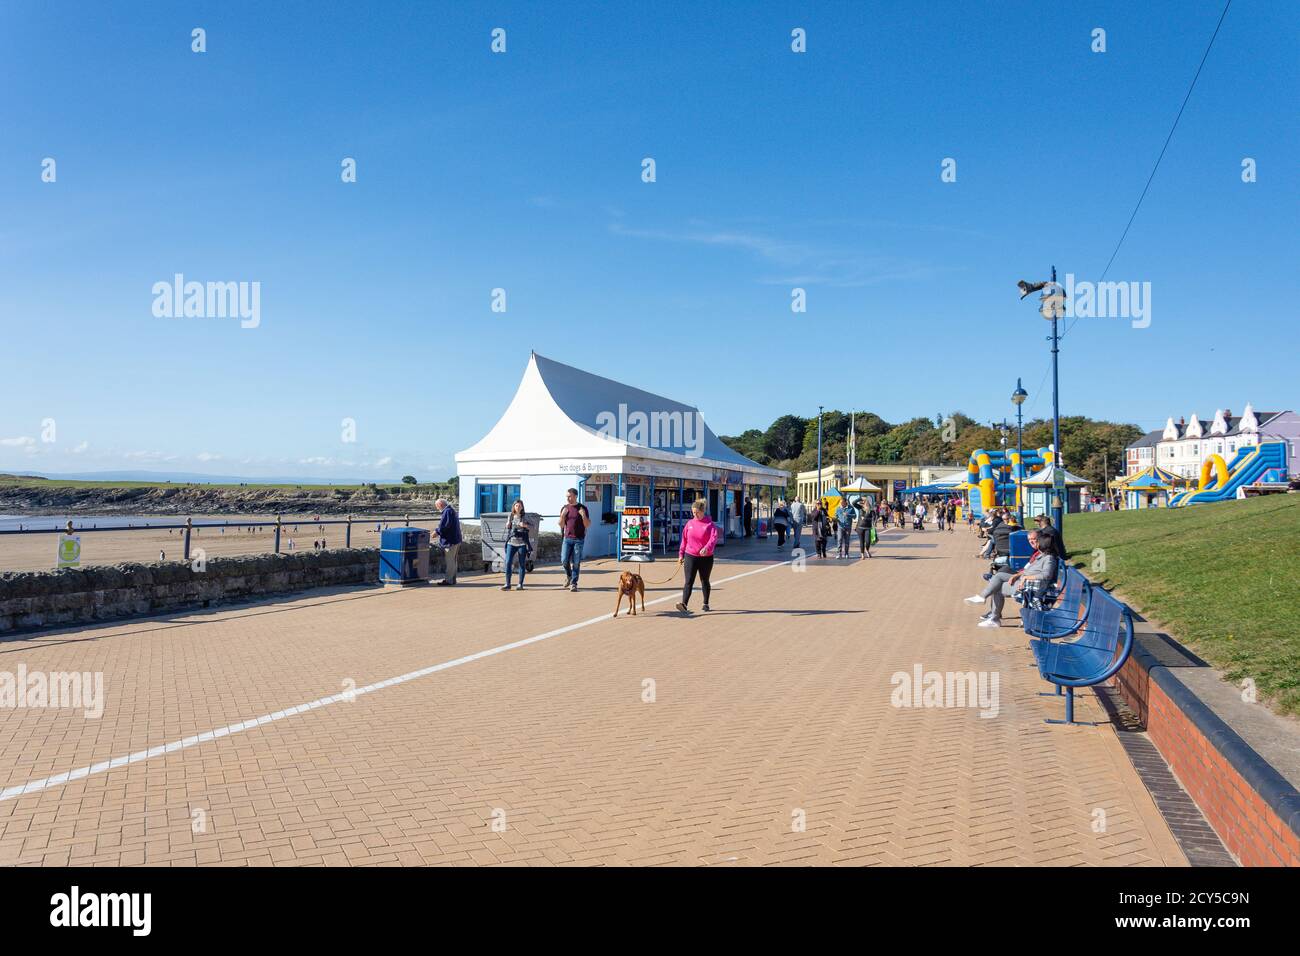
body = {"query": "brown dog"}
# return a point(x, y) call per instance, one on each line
point(630, 583)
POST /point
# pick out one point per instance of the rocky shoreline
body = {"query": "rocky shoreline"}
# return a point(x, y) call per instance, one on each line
point(205, 500)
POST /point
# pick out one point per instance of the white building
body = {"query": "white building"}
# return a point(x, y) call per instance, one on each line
point(1184, 444)
point(566, 428)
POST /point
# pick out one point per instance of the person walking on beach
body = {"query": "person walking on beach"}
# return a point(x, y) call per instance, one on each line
point(821, 528)
point(699, 535)
point(844, 516)
point(518, 542)
point(574, 522)
point(798, 517)
point(449, 537)
point(866, 528)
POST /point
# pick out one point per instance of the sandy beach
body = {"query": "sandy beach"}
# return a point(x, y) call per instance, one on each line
point(36, 552)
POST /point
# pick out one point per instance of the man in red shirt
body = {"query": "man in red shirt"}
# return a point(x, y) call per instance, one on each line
point(574, 522)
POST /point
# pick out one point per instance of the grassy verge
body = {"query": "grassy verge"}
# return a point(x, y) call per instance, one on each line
point(1222, 578)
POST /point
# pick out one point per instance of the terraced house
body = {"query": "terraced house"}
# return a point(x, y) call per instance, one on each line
point(1182, 445)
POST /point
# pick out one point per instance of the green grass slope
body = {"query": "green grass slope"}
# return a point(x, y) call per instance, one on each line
point(1222, 578)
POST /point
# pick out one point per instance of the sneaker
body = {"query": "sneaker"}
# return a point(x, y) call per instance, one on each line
point(706, 607)
point(989, 622)
point(987, 575)
point(574, 589)
point(505, 587)
point(974, 599)
point(683, 608)
point(520, 588)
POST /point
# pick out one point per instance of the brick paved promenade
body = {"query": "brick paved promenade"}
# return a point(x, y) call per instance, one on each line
point(771, 711)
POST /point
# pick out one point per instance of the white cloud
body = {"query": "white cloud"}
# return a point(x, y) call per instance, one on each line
point(207, 456)
point(149, 456)
point(384, 462)
point(80, 448)
point(22, 441)
point(803, 263)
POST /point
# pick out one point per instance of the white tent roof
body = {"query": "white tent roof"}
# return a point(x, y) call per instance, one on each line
point(557, 412)
point(858, 484)
point(954, 479)
point(1048, 477)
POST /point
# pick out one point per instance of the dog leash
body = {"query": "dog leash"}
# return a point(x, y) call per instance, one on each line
point(677, 567)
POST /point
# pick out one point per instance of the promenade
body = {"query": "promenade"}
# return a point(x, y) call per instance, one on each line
point(467, 726)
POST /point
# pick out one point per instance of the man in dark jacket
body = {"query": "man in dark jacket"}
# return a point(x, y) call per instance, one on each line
point(1048, 536)
point(1001, 536)
point(449, 537)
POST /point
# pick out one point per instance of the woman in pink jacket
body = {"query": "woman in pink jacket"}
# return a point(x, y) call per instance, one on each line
point(699, 535)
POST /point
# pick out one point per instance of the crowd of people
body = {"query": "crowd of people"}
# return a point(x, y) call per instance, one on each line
point(858, 517)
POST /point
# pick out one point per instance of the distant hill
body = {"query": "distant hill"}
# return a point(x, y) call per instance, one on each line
point(58, 496)
point(185, 477)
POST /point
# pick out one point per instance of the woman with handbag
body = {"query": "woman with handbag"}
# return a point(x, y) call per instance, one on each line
point(519, 542)
point(821, 528)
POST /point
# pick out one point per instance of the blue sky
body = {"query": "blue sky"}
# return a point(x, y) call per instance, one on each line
point(523, 171)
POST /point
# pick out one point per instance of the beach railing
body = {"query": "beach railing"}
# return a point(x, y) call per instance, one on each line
point(189, 526)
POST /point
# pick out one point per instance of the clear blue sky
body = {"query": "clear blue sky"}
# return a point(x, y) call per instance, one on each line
point(522, 171)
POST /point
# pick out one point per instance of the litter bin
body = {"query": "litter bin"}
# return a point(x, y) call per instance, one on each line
point(492, 528)
point(1021, 552)
point(404, 556)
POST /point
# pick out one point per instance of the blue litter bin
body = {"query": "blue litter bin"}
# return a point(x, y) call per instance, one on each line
point(1021, 552)
point(404, 556)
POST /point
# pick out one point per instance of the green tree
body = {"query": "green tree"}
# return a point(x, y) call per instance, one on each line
point(409, 480)
point(784, 438)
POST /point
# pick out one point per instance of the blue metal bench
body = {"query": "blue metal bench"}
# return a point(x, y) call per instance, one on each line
point(1069, 612)
point(1096, 655)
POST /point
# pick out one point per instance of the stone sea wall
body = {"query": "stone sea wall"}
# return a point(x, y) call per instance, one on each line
point(31, 600)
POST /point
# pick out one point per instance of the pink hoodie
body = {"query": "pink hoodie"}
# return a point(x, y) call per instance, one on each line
point(699, 535)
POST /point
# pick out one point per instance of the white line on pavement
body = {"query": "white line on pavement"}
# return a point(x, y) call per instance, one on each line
point(35, 786)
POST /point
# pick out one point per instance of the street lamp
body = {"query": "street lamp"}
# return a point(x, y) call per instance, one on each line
point(1052, 306)
point(819, 452)
point(1018, 399)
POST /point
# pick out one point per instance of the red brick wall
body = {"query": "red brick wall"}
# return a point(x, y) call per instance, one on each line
point(1248, 827)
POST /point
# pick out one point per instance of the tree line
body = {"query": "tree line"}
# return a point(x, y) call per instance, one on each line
point(1092, 449)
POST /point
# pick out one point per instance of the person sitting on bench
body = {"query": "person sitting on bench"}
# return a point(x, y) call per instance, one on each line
point(1041, 568)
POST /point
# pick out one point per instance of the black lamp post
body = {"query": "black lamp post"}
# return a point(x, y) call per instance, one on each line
point(1018, 399)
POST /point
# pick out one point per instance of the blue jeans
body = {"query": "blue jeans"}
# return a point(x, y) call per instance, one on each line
point(571, 558)
point(513, 551)
point(796, 532)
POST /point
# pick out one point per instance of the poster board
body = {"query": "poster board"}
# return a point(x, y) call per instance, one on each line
point(634, 531)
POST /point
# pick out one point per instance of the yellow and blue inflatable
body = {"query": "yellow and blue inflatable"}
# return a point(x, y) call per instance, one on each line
point(992, 476)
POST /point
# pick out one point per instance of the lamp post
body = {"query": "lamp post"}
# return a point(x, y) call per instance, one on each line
point(819, 452)
point(1051, 304)
point(1018, 399)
